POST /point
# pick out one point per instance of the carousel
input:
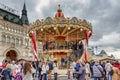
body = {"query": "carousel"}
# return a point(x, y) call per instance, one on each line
point(62, 37)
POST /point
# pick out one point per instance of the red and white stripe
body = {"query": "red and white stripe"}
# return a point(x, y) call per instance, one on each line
point(85, 55)
point(34, 47)
point(87, 36)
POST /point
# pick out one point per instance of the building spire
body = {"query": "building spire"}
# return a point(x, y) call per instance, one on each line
point(24, 18)
point(24, 7)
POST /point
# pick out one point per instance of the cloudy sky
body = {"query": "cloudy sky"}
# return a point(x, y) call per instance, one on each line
point(103, 14)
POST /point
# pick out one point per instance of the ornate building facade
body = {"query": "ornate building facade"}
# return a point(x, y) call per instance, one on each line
point(14, 41)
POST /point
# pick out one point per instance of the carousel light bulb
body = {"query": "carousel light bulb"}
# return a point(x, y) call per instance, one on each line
point(54, 28)
point(81, 29)
point(31, 31)
point(27, 34)
point(41, 29)
point(68, 28)
point(89, 31)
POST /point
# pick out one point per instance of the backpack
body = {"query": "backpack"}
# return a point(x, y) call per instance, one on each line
point(50, 64)
point(18, 76)
point(77, 67)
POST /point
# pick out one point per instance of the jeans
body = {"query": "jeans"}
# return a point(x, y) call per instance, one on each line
point(108, 76)
point(45, 76)
point(55, 76)
point(97, 78)
point(41, 77)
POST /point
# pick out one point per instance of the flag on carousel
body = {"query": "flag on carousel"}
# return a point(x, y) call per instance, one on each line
point(34, 47)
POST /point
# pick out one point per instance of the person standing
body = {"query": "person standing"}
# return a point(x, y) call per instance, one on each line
point(62, 62)
point(7, 73)
point(116, 73)
point(18, 75)
point(13, 68)
point(108, 68)
point(39, 71)
point(50, 64)
point(87, 67)
point(45, 69)
point(55, 70)
point(73, 65)
point(41, 76)
point(27, 71)
point(68, 71)
point(97, 71)
point(81, 72)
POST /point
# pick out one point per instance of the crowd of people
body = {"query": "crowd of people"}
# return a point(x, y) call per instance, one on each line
point(96, 70)
point(43, 70)
point(27, 70)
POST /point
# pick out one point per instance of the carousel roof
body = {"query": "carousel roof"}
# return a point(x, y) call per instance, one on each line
point(61, 28)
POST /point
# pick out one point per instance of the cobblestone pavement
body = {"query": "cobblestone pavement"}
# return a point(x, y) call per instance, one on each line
point(62, 77)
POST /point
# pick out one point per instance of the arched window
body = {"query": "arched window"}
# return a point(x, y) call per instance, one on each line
point(21, 41)
point(17, 41)
point(27, 42)
point(8, 39)
point(3, 38)
point(13, 40)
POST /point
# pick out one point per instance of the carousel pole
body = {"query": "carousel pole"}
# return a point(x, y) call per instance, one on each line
point(46, 47)
point(33, 38)
point(86, 45)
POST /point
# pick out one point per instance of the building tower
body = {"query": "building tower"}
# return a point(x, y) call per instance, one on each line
point(24, 18)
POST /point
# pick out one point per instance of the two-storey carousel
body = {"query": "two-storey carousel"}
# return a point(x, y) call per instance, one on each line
point(61, 36)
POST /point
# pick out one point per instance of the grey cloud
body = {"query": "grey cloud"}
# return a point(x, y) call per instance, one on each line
point(103, 14)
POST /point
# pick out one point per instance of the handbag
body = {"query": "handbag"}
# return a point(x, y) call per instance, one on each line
point(111, 72)
point(76, 75)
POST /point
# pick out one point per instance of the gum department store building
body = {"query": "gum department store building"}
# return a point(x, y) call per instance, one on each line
point(14, 41)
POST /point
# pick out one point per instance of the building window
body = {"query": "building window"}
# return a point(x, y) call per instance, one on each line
point(9, 29)
point(3, 38)
point(6, 27)
point(17, 41)
point(8, 39)
point(27, 42)
point(21, 41)
point(15, 30)
point(13, 40)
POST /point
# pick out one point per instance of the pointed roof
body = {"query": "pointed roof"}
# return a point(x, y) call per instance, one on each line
point(112, 56)
point(24, 18)
point(103, 52)
point(24, 7)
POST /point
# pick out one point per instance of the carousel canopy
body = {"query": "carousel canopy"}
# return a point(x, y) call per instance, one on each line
point(61, 28)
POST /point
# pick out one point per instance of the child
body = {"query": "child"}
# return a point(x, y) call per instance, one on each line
point(68, 72)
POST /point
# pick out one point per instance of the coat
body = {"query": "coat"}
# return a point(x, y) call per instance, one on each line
point(97, 70)
point(82, 73)
point(7, 74)
point(116, 74)
point(27, 76)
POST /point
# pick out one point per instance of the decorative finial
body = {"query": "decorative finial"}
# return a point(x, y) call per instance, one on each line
point(59, 6)
point(59, 10)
